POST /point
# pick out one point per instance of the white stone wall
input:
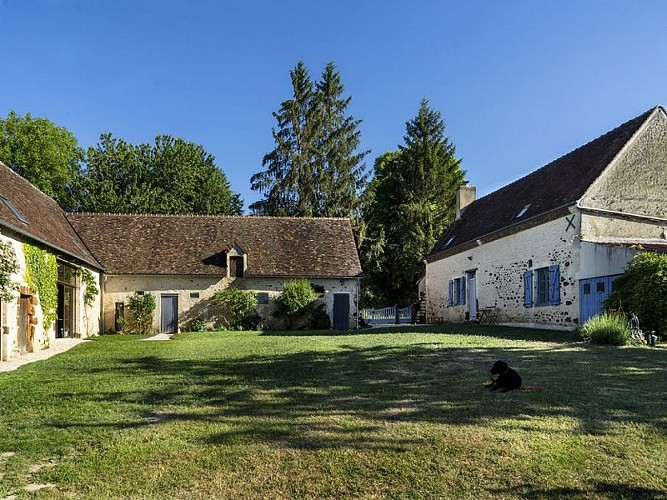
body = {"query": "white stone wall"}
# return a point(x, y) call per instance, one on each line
point(500, 267)
point(86, 318)
point(117, 288)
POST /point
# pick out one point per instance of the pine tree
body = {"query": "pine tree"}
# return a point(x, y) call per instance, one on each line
point(314, 169)
point(410, 204)
point(341, 176)
point(287, 182)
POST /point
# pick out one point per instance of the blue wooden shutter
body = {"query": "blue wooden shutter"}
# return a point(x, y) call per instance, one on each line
point(462, 292)
point(554, 285)
point(528, 288)
point(451, 292)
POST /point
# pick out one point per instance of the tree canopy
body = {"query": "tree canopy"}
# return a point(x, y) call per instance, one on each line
point(170, 176)
point(409, 204)
point(45, 154)
point(315, 168)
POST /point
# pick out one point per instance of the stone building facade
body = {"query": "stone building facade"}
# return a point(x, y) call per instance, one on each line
point(544, 251)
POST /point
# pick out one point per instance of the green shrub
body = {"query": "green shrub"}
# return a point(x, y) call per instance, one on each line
point(238, 307)
point(197, 325)
point(607, 328)
point(295, 300)
point(642, 289)
point(141, 307)
point(319, 319)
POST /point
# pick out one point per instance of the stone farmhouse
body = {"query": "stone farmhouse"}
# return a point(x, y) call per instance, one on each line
point(181, 260)
point(545, 250)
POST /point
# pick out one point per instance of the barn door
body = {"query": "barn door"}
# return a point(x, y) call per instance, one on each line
point(341, 311)
point(169, 313)
point(24, 325)
point(594, 292)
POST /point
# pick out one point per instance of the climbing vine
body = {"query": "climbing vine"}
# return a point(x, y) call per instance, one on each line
point(91, 290)
point(42, 275)
point(8, 266)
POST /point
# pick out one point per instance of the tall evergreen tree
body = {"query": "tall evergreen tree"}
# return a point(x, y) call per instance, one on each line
point(314, 169)
point(410, 204)
point(339, 166)
point(288, 181)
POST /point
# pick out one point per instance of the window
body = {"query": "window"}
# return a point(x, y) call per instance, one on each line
point(262, 298)
point(542, 286)
point(236, 267)
point(522, 211)
point(599, 287)
point(13, 210)
point(457, 291)
point(194, 295)
point(587, 289)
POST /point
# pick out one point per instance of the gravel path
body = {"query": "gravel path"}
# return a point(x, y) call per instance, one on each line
point(57, 346)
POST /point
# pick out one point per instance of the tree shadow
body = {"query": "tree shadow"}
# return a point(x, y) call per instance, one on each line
point(346, 398)
point(607, 490)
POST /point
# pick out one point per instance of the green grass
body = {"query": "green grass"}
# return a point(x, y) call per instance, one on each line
point(391, 414)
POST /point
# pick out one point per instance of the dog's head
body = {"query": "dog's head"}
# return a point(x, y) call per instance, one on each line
point(499, 367)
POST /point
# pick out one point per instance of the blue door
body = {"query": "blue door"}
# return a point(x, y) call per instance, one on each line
point(169, 313)
point(593, 292)
point(341, 311)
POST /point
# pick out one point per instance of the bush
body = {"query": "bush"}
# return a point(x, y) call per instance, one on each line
point(608, 328)
point(238, 308)
point(642, 289)
point(319, 319)
point(141, 307)
point(197, 325)
point(295, 300)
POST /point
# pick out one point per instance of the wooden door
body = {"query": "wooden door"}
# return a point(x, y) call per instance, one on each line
point(341, 311)
point(169, 313)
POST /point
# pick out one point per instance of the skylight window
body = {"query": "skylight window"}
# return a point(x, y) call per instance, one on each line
point(522, 211)
point(13, 209)
point(449, 242)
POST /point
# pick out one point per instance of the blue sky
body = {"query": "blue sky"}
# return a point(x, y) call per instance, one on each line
point(518, 82)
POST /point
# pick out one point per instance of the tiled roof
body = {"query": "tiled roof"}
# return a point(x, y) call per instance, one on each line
point(27, 211)
point(195, 245)
point(559, 184)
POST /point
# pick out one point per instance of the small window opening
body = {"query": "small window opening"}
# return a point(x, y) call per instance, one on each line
point(194, 295)
point(13, 209)
point(522, 211)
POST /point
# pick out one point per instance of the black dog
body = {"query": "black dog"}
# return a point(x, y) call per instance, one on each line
point(507, 380)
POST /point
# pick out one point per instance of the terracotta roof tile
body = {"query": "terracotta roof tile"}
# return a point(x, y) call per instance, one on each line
point(193, 245)
point(27, 211)
point(558, 184)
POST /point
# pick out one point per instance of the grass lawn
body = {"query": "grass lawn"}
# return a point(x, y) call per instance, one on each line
point(397, 414)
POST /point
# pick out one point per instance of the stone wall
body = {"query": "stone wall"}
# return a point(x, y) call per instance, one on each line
point(194, 291)
point(500, 265)
point(86, 321)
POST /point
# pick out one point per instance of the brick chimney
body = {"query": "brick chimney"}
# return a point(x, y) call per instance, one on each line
point(464, 197)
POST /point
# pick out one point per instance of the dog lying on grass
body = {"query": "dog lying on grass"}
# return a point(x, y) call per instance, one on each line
point(507, 380)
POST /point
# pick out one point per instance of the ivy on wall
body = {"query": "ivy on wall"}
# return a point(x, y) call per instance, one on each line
point(8, 266)
point(42, 275)
point(91, 290)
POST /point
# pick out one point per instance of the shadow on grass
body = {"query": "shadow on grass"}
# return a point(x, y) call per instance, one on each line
point(608, 490)
point(315, 399)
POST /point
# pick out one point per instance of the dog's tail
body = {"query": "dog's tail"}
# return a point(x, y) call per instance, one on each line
point(532, 388)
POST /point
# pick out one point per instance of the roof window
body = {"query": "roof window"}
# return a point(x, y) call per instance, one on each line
point(449, 242)
point(522, 211)
point(13, 210)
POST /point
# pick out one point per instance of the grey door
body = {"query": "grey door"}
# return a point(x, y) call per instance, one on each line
point(341, 311)
point(169, 313)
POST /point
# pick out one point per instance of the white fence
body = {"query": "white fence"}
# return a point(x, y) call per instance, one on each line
point(387, 315)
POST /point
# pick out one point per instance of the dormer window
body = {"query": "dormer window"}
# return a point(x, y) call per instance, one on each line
point(237, 262)
point(522, 211)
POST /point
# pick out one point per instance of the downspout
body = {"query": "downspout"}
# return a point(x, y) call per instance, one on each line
point(356, 316)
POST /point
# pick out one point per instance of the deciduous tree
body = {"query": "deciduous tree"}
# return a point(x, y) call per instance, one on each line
point(44, 153)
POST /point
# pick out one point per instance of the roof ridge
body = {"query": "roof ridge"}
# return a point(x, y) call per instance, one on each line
point(645, 115)
point(211, 216)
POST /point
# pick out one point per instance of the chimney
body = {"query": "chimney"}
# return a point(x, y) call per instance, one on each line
point(464, 197)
